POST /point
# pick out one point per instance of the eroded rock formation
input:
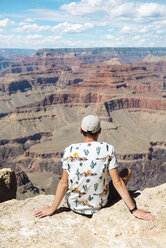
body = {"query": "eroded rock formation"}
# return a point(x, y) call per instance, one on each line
point(25, 188)
point(110, 227)
point(44, 97)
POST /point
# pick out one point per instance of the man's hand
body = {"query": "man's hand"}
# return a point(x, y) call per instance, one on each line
point(143, 214)
point(45, 211)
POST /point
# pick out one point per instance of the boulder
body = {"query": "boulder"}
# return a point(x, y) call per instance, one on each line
point(113, 226)
point(8, 185)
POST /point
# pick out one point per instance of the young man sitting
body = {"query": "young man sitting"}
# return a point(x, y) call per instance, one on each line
point(87, 168)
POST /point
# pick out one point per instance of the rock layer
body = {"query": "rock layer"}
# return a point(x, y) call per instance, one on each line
point(44, 97)
point(110, 227)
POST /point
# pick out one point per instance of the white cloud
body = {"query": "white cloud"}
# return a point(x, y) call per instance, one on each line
point(90, 6)
point(34, 36)
point(29, 41)
point(110, 22)
point(32, 28)
point(144, 29)
point(126, 29)
point(82, 7)
point(6, 22)
point(160, 31)
point(60, 28)
point(115, 10)
point(109, 36)
point(124, 10)
point(103, 12)
point(29, 20)
point(151, 10)
point(69, 27)
point(136, 37)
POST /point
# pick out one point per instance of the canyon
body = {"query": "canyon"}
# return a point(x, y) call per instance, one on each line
point(43, 97)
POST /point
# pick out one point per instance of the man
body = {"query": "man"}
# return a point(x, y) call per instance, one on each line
point(87, 167)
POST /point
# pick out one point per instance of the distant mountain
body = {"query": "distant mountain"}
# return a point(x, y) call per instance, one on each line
point(8, 52)
point(126, 55)
point(151, 58)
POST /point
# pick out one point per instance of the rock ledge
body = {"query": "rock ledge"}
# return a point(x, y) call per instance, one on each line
point(110, 227)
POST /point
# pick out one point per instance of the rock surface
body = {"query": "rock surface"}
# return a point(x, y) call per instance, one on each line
point(110, 227)
point(8, 185)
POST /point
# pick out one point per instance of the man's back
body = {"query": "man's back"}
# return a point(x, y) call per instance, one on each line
point(87, 165)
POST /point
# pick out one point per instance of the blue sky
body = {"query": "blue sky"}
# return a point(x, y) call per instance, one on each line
point(82, 23)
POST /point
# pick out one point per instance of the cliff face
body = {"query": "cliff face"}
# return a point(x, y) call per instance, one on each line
point(44, 97)
point(144, 78)
point(44, 58)
point(55, 77)
point(136, 102)
point(110, 227)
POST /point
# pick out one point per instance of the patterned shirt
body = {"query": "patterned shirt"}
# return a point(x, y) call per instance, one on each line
point(88, 165)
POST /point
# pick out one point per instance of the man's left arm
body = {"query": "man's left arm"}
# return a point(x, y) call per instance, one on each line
point(123, 192)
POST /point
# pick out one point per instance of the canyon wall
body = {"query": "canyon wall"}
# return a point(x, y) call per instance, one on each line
point(44, 97)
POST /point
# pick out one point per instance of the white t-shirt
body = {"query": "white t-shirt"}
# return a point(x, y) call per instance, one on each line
point(88, 165)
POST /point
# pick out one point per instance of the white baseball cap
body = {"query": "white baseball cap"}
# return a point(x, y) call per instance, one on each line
point(90, 123)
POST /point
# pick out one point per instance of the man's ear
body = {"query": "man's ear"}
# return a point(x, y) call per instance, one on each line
point(80, 130)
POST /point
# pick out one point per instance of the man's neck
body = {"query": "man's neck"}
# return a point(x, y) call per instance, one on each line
point(89, 139)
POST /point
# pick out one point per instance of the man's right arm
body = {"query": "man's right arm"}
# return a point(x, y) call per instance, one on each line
point(60, 192)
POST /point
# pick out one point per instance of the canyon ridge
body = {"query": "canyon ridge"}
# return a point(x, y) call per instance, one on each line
point(44, 95)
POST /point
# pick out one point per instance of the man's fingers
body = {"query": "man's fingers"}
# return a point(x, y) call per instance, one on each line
point(144, 214)
point(40, 214)
point(149, 216)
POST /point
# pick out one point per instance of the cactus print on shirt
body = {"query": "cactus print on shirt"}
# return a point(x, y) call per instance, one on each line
point(88, 165)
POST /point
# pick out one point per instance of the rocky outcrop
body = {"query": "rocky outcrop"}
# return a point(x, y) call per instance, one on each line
point(10, 151)
point(84, 99)
point(151, 58)
point(23, 140)
point(29, 78)
point(8, 185)
point(71, 98)
point(136, 78)
point(19, 86)
point(39, 164)
point(110, 227)
point(16, 185)
point(25, 188)
point(4, 63)
point(136, 102)
point(146, 172)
